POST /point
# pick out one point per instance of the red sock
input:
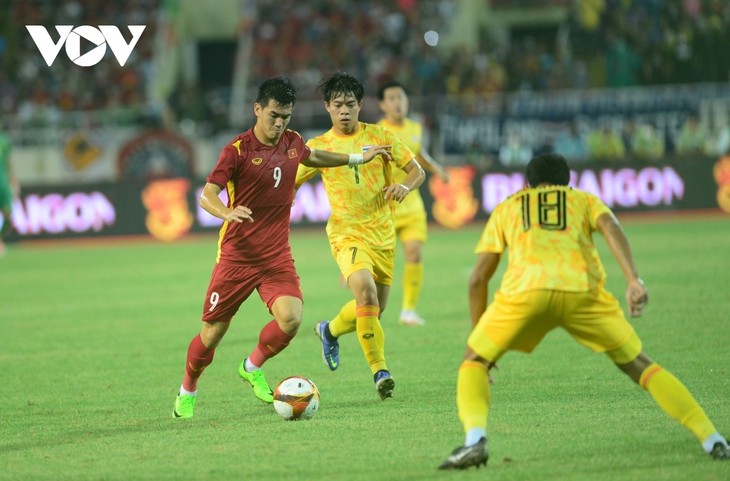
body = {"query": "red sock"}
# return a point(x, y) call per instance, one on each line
point(272, 341)
point(199, 357)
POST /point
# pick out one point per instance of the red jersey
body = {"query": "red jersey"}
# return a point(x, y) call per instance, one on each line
point(260, 177)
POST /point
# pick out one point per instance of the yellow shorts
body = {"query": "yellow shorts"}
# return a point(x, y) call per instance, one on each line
point(519, 322)
point(411, 226)
point(352, 256)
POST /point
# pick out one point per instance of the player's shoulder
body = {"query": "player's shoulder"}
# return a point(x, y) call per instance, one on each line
point(240, 144)
point(293, 136)
point(376, 132)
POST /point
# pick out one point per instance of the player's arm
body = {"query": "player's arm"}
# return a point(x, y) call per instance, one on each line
point(637, 295)
point(324, 158)
point(430, 165)
point(213, 204)
point(412, 181)
point(483, 271)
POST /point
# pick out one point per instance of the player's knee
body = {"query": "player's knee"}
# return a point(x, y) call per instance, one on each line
point(366, 296)
point(635, 368)
point(413, 252)
point(290, 323)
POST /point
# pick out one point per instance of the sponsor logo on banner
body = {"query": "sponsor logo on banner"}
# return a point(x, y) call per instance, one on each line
point(721, 172)
point(99, 37)
point(168, 215)
point(454, 204)
point(156, 154)
point(626, 188)
point(80, 151)
point(54, 213)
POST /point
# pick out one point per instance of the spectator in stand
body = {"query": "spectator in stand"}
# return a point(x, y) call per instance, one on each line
point(571, 144)
point(692, 136)
point(605, 145)
point(648, 143)
point(515, 151)
point(719, 143)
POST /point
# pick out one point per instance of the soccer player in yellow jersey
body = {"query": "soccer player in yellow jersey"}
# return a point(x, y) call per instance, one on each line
point(410, 215)
point(360, 228)
point(555, 278)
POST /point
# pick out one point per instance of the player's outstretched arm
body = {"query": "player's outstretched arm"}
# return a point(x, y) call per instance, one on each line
point(324, 158)
point(412, 181)
point(637, 295)
point(483, 271)
point(430, 165)
point(213, 204)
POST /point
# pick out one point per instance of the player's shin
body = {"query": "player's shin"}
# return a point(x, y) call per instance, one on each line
point(371, 336)
point(472, 400)
point(675, 399)
point(199, 357)
point(272, 340)
point(412, 283)
point(345, 321)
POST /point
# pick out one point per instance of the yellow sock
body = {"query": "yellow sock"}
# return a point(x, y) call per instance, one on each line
point(371, 336)
point(472, 395)
point(344, 322)
point(412, 283)
point(676, 400)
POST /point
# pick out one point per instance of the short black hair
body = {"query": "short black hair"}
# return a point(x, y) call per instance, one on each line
point(279, 89)
point(389, 85)
point(340, 83)
point(548, 169)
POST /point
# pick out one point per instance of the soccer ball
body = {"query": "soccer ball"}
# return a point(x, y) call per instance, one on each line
point(296, 397)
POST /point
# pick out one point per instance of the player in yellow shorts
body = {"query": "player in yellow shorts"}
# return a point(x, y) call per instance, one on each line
point(555, 279)
point(410, 215)
point(360, 228)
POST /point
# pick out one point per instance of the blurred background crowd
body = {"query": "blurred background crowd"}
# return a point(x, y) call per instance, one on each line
point(438, 48)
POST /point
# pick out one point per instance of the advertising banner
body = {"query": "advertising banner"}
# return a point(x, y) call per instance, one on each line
point(167, 209)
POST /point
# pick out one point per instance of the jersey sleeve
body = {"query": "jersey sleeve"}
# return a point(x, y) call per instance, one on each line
point(301, 146)
point(225, 167)
point(597, 208)
point(399, 150)
point(304, 172)
point(492, 238)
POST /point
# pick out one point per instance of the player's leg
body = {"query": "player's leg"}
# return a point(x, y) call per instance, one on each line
point(510, 323)
point(412, 234)
point(201, 351)
point(673, 398)
point(599, 323)
point(367, 311)
point(412, 284)
point(280, 290)
point(229, 286)
point(5, 209)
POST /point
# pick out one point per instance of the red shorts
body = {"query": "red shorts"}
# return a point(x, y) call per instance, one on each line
point(231, 284)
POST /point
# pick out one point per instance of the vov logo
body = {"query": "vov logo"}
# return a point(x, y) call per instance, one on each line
point(71, 38)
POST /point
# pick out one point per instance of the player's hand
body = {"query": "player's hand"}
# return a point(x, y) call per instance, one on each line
point(375, 150)
point(239, 214)
point(637, 297)
point(397, 192)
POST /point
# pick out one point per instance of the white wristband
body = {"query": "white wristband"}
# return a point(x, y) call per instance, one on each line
point(355, 159)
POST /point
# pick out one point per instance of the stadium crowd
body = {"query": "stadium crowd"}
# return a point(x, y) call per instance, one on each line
point(603, 43)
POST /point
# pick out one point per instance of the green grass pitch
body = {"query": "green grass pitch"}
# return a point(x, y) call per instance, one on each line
point(94, 336)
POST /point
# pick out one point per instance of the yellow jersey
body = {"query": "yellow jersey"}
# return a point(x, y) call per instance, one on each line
point(359, 208)
point(411, 133)
point(549, 233)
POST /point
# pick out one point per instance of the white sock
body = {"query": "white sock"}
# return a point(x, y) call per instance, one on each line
point(183, 392)
point(249, 366)
point(474, 435)
point(710, 442)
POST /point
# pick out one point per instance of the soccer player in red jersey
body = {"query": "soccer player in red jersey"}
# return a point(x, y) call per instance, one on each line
point(257, 169)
